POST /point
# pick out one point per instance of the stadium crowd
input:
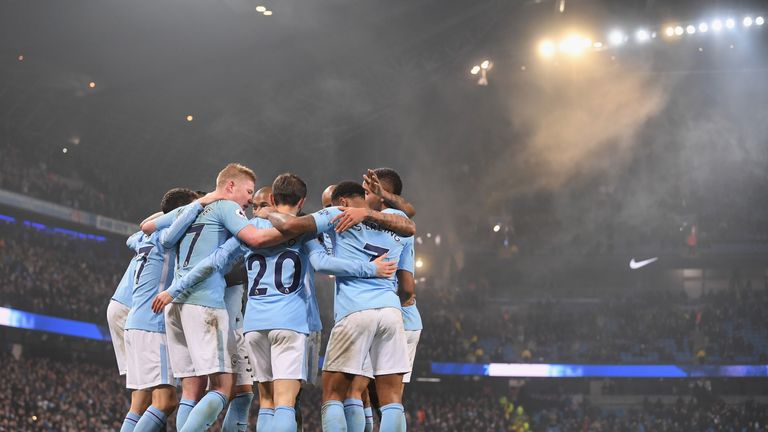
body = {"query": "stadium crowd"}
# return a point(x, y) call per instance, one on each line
point(720, 327)
point(23, 172)
point(46, 273)
point(40, 394)
point(57, 274)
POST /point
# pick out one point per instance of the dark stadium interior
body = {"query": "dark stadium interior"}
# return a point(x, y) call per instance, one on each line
point(533, 190)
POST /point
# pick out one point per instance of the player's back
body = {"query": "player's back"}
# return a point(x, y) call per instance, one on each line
point(277, 297)
point(365, 242)
point(154, 273)
point(213, 226)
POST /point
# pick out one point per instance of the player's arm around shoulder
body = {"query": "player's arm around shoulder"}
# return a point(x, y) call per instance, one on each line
point(293, 226)
point(393, 220)
point(258, 233)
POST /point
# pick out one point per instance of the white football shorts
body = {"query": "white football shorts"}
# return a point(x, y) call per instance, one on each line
point(374, 333)
point(147, 360)
point(200, 340)
point(117, 313)
point(277, 354)
point(412, 338)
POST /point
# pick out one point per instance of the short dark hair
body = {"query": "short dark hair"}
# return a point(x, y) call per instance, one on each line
point(288, 189)
point(347, 189)
point(390, 180)
point(176, 198)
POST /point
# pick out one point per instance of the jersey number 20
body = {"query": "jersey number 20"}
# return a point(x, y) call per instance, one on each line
point(262, 260)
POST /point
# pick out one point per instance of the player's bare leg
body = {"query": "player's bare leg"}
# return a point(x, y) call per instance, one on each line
point(266, 406)
point(335, 387)
point(140, 400)
point(284, 397)
point(163, 404)
point(389, 389)
point(207, 410)
point(192, 390)
point(354, 406)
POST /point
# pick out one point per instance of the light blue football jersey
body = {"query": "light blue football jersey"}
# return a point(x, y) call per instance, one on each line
point(363, 242)
point(411, 315)
point(273, 303)
point(124, 290)
point(313, 309)
point(154, 273)
point(213, 226)
point(412, 318)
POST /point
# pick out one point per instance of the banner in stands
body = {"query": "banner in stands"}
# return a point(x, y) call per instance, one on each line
point(32, 321)
point(66, 213)
point(531, 370)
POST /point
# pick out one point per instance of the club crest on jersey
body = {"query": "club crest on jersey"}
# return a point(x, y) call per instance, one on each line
point(241, 213)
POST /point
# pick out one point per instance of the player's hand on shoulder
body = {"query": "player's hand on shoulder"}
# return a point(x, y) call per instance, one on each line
point(210, 198)
point(349, 217)
point(161, 301)
point(263, 212)
point(384, 269)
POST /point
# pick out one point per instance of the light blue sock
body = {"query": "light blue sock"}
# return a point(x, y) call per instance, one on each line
point(333, 417)
point(236, 419)
point(185, 407)
point(264, 422)
point(391, 418)
point(355, 415)
point(130, 422)
point(285, 419)
point(153, 420)
point(205, 413)
point(368, 419)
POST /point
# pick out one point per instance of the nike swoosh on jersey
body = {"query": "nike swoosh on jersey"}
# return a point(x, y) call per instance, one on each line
point(634, 265)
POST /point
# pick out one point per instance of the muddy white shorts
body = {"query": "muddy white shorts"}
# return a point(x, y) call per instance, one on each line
point(374, 333)
point(200, 340)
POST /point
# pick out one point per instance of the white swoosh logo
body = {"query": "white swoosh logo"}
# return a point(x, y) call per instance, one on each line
point(634, 265)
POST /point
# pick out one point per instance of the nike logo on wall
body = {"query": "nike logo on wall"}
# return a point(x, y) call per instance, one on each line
point(634, 265)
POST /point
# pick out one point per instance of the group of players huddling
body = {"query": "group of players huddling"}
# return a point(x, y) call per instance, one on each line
point(178, 310)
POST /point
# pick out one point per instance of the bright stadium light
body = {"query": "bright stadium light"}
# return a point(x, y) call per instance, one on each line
point(497, 228)
point(267, 13)
point(484, 65)
point(759, 21)
point(616, 37)
point(679, 30)
point(669, 31)
point(690, 29)
point(574, 45)
point(642, 35)
point(547, 48)
point(597, 45)
point(730, 23)
point(717, 25)
point(475, 70)
point(703, 27)
point(419, 263)
point(747, 22)
point(190, 118)
point(260, 9)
